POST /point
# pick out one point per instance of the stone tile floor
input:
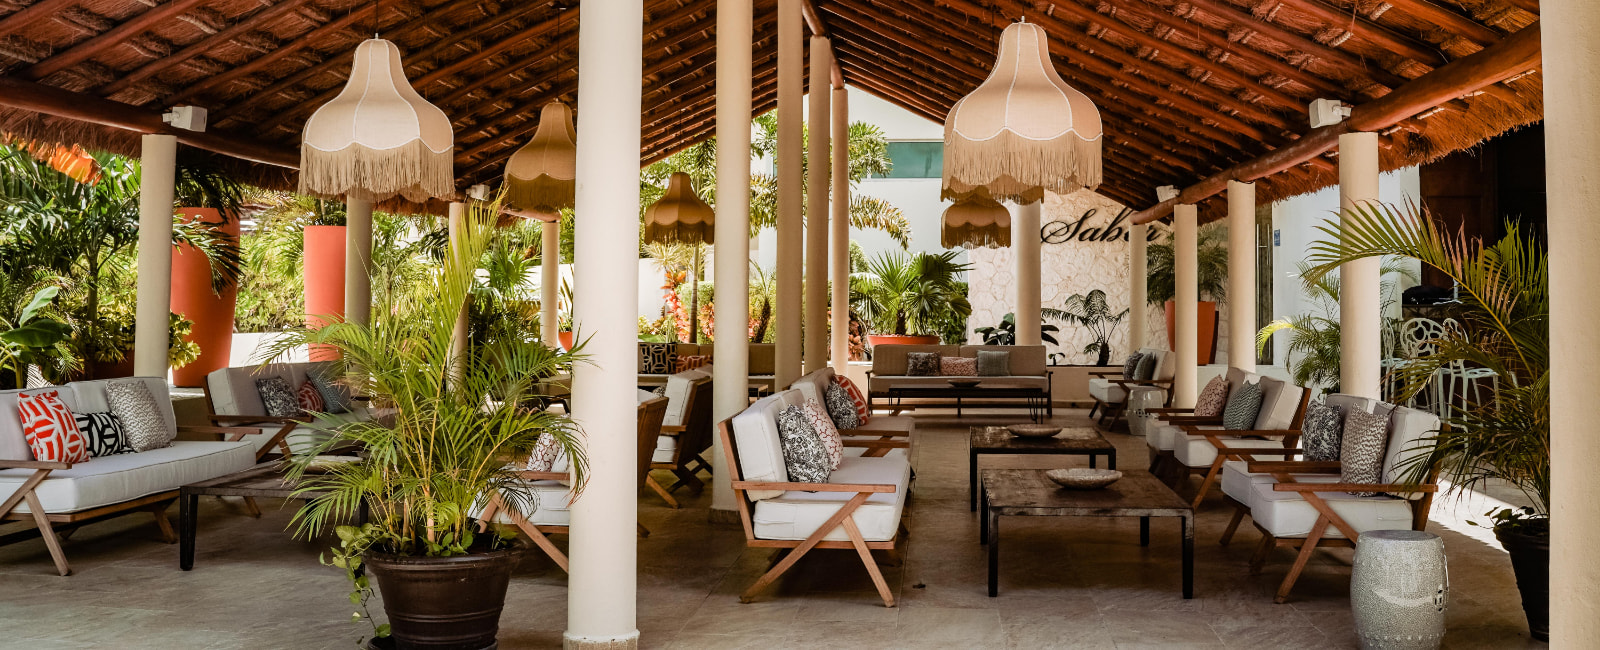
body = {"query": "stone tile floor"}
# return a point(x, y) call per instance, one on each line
point(1065, 583)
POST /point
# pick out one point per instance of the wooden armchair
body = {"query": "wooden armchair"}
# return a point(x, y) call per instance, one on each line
point(1206, 446)
point(682, 442)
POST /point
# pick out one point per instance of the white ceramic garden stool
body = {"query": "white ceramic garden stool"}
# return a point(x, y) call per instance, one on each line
point(1399, 587)
point(1139, 399)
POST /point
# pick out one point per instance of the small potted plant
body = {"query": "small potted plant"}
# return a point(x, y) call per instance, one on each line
point(459, 429)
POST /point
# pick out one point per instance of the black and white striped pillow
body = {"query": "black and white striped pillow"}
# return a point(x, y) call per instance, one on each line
point(104, 433)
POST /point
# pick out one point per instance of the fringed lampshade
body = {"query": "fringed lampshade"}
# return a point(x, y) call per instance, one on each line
point(976, 222)
point(543, 175)
point(679, 217)
point(378, 138)
point(1023, 130)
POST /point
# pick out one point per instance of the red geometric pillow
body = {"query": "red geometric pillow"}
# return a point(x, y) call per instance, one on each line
point(51, 430)
point(690, 362)
point(310, 398)
point(855, 396)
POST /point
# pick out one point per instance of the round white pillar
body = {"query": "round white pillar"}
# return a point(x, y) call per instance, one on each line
point(1025, 245)
point(601, 591)
point(1360, 344)
point(1572, 138)
point(1138, 286)
point(816, 352)
point(1242, 275)
point(358, 261)
point(1186, 310)
point(839, 244)
point(158, 156)
point(458, 338)
point(731, 342)
point(791, 233)
point(550, 283)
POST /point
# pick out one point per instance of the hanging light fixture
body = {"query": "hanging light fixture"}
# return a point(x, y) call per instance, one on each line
point(542, 176)
point(1023, 130)
point(378, 138)
point(976, 222)
point(679, 217)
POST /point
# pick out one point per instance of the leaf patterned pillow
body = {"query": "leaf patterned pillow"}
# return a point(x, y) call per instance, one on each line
point(1243, 407)
point(922, 364)
point(278, 397)
point(1322, 432)
point(1366, 437)
point(104, 433)
point(804, 455)
point(863, 413)
point(51, 430)
point(1213, 399)
point(826, 431)
point(140, 416)
point(841, 408)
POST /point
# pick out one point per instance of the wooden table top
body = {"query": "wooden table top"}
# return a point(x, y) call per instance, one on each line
point(1029, 492)
point(1070, 439)
point(264, 480)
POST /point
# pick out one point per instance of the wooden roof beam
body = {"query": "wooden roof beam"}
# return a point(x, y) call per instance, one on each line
point(1368, 30)
point(41, 10)
point(250, 66)
point(98, 43)
point(242, 25)
point(808, 10)
point(1448, 20)
point(1221, 9)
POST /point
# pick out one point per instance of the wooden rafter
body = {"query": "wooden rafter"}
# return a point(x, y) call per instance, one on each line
point(1367, 30)
point(100, 42)
point(243, 25)
point(317, 35)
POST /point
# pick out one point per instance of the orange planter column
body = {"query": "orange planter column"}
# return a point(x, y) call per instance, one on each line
point(193, 297)
point(324, 280)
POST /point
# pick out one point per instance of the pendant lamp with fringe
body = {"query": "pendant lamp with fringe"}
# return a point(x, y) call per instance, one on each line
point(976, 222)
point(542, 176)
point(378, 138)
point(1023, 131)
point(679, 217)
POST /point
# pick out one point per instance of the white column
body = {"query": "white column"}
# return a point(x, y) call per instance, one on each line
point(817, 178)
point(1572, 140)
point(839, 244)
point(1025, 246)
point(1242, 275)
point(458, 338)
point(601, 600)
point(1186, 311)
point(731, 343)
point(358, 261)
point(1138, 286)
point(550, 283)
point(157, 168)
point(1360, 344)
point(791, 233)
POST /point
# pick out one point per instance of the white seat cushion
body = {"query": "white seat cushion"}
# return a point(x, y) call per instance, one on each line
point(796, 515)
point(1197, 451)
point(1162, 436)
point(666, 446)
point(109, 480)
point(1286, 514)
point(1240, 484)
point(755, 434)
point(1102, 389)
point(550, 504)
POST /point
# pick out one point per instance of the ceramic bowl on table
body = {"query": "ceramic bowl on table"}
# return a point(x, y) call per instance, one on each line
point(964, 383)
point(1033, 430)
point(1083, 478)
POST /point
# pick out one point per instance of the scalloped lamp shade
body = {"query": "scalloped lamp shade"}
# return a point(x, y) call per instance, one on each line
point(378, 138)
point(976, 222)
point(679, 217)
point(542, 176)
point(1023, 130)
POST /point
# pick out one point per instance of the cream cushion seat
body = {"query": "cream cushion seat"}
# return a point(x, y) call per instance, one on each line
point(1237, 481)
point(677, 394)
point(551, 505)
point(1104, 390)
point(114, 479)
point(1279, 401)
point(1287, 514)
point(797, 514)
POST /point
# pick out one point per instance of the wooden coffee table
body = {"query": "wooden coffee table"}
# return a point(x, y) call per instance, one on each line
point(264, 480)
point(1028, 493)
point(1073, 441)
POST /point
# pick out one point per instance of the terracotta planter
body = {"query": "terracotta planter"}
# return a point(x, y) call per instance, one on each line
point(566, 339)
point(1207, 329)
point(324, 280)
point(444, 603)
point(902, 339)
point(193, 297)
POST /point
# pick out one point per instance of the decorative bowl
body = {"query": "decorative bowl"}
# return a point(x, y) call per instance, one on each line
point(964, 383)
point(1033, 430)
point(1083, 478)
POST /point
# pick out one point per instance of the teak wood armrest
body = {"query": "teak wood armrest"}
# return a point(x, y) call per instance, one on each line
point(870, 488)
point(1293, 466)
point(531, 475)
point(879, 444)
point(278, 419)
point(1194, 420)
point(1125, 383)
point(1261, 433)
point(1104, 373)
point(226, 431)
point(870, 433)
point(33, 464)
point(672, 429)
point(1169, 411)
point(1267, 451)
point(1353, 487)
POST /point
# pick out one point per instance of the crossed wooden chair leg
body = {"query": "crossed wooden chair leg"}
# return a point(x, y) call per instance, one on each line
point(664, 493)
point(841, 519)
point(536, 534)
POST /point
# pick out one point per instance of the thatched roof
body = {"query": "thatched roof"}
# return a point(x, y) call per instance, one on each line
point(1186, 87)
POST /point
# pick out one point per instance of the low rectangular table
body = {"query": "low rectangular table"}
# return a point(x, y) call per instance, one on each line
point(265, 480)
point(1028, 493)
point(1036, 399)
point(1072, 441)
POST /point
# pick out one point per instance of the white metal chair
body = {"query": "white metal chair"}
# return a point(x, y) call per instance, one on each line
point(1457, 380)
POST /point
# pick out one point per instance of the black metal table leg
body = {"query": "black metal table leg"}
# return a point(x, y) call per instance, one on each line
point(188, 518)
point(1111, 459)
point(1188, 556)
point(994, 551)
point(983, 521)
point(1144, 531)
point(972, 476)
point(1091, 460)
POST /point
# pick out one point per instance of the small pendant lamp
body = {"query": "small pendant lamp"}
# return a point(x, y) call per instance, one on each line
point(542, 176)
point(378, 138)
point(679, 217)
point(1023, 130)
point(976, 222)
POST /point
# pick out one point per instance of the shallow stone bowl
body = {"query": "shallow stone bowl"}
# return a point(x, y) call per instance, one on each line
point(964, 383)
point(1083, 478)
point(1033, 430)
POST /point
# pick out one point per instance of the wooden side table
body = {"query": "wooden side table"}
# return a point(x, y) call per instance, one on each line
point(264, 480)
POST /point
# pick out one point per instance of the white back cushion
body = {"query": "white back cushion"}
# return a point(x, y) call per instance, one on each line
point(1167, 365)
point(1407, 428)
point(91, 398)
point(1347, 403)
point(13, 444)
point(678, 388)
point(815, 385)
point(233, 390)
point(1279, 401)
point(755, 433)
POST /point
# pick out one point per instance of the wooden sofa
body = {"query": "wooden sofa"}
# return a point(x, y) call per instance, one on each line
point(60, 497)
point(233, 401)
point(1029, 368)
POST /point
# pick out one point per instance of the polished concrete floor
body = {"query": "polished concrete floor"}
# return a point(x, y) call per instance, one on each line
point(1064, 583)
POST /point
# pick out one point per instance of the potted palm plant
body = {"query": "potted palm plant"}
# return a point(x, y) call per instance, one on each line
point(918, 298)
point(1212, 263)
point(1505, 439)
point(1093, 313)
point(423, 474)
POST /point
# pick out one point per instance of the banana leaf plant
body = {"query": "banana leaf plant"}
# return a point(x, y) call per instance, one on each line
point(31, 337)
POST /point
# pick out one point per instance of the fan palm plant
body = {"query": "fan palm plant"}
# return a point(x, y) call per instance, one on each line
point(919, 294)
point(1211, 247)
point(1314, 336)
point(1092, 312)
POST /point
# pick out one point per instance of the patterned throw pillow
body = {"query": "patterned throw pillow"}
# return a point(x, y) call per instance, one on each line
point(958, 366)
point(690, 362)
point(1243, 407)
point(826, 431)
point(657, 358)
point(922, 364)
point(1322, 432)
point(1361, 452)
point(1147, 367)
point(335, 396)
point(863, 413)
point(278, 397)
point(52, 432)
point(994, 363)
point(544, 454)
point(1130, 368)
point(1213, 398)
point(140, 416)
point(104, 434)
point(803, 452)
point(309, 398)
point(841, 408)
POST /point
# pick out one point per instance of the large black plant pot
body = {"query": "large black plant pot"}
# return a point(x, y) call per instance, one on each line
point(1530, 560)
point(444, 603)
